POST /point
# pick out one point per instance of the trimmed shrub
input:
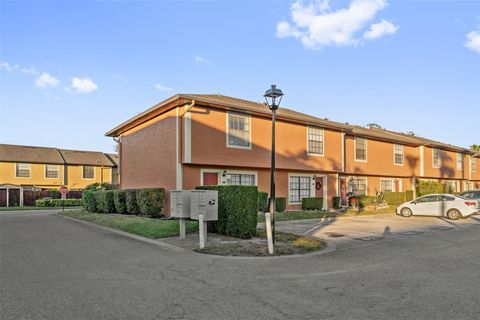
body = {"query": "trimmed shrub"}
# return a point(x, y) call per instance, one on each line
point(151, 201)
point(99, 186)
point(131, 201)
point(313, 203)
point(262, 201)
point(409, 195)
point(363, 201)
point(428, 187)
point(395, 198)
point(89, 201)
point(58, 202)
point(100, 201)
point(237, 211)
point(120, 202)
point(336, 202)
point(108, 201)
point(280, 204)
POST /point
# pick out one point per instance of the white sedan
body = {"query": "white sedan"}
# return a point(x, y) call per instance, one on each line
point(440, 205)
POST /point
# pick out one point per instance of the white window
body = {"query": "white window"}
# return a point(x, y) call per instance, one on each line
point(451, 186)
point(360, 149)
point(386, 185)
point(459, 161)
point(315, 141)
point(359, 187)
point(88, 172)
point(299, 188)
point(436, 158)
point(240, 179)
point(22, 170)
point(238, 131)
point(51, 171)
point(398, 154)
point(473, 164)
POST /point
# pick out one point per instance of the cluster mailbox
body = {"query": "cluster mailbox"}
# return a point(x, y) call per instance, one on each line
point(204, 202)
point(180, 203)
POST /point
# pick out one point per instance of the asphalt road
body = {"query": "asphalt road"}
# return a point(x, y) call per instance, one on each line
point(54, 268)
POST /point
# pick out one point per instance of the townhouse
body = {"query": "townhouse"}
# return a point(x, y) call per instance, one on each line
point(194, 139)
point(24, 168)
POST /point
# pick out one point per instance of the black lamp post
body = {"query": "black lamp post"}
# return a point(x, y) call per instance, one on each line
point(273, 96)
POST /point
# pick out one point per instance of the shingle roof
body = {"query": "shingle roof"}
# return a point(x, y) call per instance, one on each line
point(92, 158)
point(15, 153)
point(262, 108)
point(113, 157)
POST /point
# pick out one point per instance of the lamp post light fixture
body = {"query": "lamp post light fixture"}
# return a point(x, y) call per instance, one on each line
point(273, 97)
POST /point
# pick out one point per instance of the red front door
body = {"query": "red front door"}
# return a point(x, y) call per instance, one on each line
point(343, 191)
point(319, 187)
point(397, 186)
point(210, 178)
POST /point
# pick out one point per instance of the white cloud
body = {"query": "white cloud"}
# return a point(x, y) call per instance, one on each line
point(30, 70)
point(199, 60)
point(6, 66)
point(83, 85)
point(473, 41)
point(317, 26)
point(45, 80)
point(161, 87)
point(380, 29)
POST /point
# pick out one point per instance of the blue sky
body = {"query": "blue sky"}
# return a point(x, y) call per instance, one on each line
point(70, 71)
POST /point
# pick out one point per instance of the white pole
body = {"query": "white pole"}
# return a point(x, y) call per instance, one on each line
point(205, 226)
point(268, 223)
point(201, 229)
point(182, 228)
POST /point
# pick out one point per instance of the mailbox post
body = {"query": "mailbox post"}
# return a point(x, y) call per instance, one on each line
point(180, 207)
point(204, 208)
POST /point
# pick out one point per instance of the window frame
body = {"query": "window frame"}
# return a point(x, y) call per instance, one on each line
point(461, 162)
point(473, 164)
point(58, 171)
point(29, 170)
point(395, 154)
point(355, 150)
point(83, 172)
point(233, 146)
point(298, 175)
point(439, 158)
point(322, 142)
point(241, 174)
point(366, 186)
point(222, 180)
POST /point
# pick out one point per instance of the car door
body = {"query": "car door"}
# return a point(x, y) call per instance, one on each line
point(424, 206)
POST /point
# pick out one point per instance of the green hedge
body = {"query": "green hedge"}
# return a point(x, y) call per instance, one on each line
point(131, 201)
point(428, 187)
point(263, 201)
point(108, 201)
point(99, 200)
point(395, 198)
point(59, 203)
point(120, 201)
point(336, 202)
point(280, 204)
point(151, 201)
point(363, 201)
point(237, 210)
point(409, 195)
point(99, 187)
point(89, 200)
point(313, 203)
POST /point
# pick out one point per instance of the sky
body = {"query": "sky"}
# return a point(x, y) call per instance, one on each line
point(72, 70)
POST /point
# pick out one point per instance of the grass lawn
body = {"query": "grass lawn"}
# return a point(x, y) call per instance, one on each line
point(297, 215)
point(142, 226)
point(35, 208)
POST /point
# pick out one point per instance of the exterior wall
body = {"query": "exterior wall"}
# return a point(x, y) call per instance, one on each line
point(37, 176)
point(209, 144)
point(380, 159)
point(75, 176)
point(448, 165)
point(373, 183)
point(475, 176)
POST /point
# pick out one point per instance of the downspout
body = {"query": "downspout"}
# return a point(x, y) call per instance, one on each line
point(118, 166)
point(192, 104)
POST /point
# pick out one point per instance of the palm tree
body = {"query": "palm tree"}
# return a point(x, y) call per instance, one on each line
point(475, 147)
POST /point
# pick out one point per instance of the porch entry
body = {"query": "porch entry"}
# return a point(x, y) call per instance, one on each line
point(343, 191)
point(319, 187)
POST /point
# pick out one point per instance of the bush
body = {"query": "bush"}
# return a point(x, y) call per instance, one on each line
point(131, 201)
point(280, 204)
point(395, 198)
point(100, 201)
point(336, 202)
point(314, 203)
point(108, 201)
point(89, 200)
point(237, 211)
point(409, 195)
point(120, 202)
point(58, 202)
point(363, 201)
point(99, 187)
point(151, 201)
point(263, 201)
point(428, 187)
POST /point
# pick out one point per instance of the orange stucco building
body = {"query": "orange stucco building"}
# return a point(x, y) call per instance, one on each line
point(190, 140)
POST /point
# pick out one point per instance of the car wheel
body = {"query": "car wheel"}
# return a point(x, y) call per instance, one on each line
point(454, 214)
point(406, 212)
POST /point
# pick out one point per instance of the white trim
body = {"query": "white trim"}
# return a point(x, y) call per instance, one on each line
point(94, 172)
point(29, 170)
point(312, 185)
point(178, 165)
point(422, 161)
point(473, 160)
point(323, 142)
point(439, 160)
point(355, 149)
point(187, 136)
point(456, 161)
point(400, 185)
point(403, 155)
point(58, 171)
point(228, 145)
point(343, 152)
point(222, 180)
point(358, 178)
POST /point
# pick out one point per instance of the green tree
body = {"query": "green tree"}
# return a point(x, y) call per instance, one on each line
point(475, 147)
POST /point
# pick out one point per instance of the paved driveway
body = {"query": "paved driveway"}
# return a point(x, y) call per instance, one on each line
point(54, 268)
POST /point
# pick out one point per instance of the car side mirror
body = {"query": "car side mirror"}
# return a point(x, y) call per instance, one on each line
point(414, 202)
